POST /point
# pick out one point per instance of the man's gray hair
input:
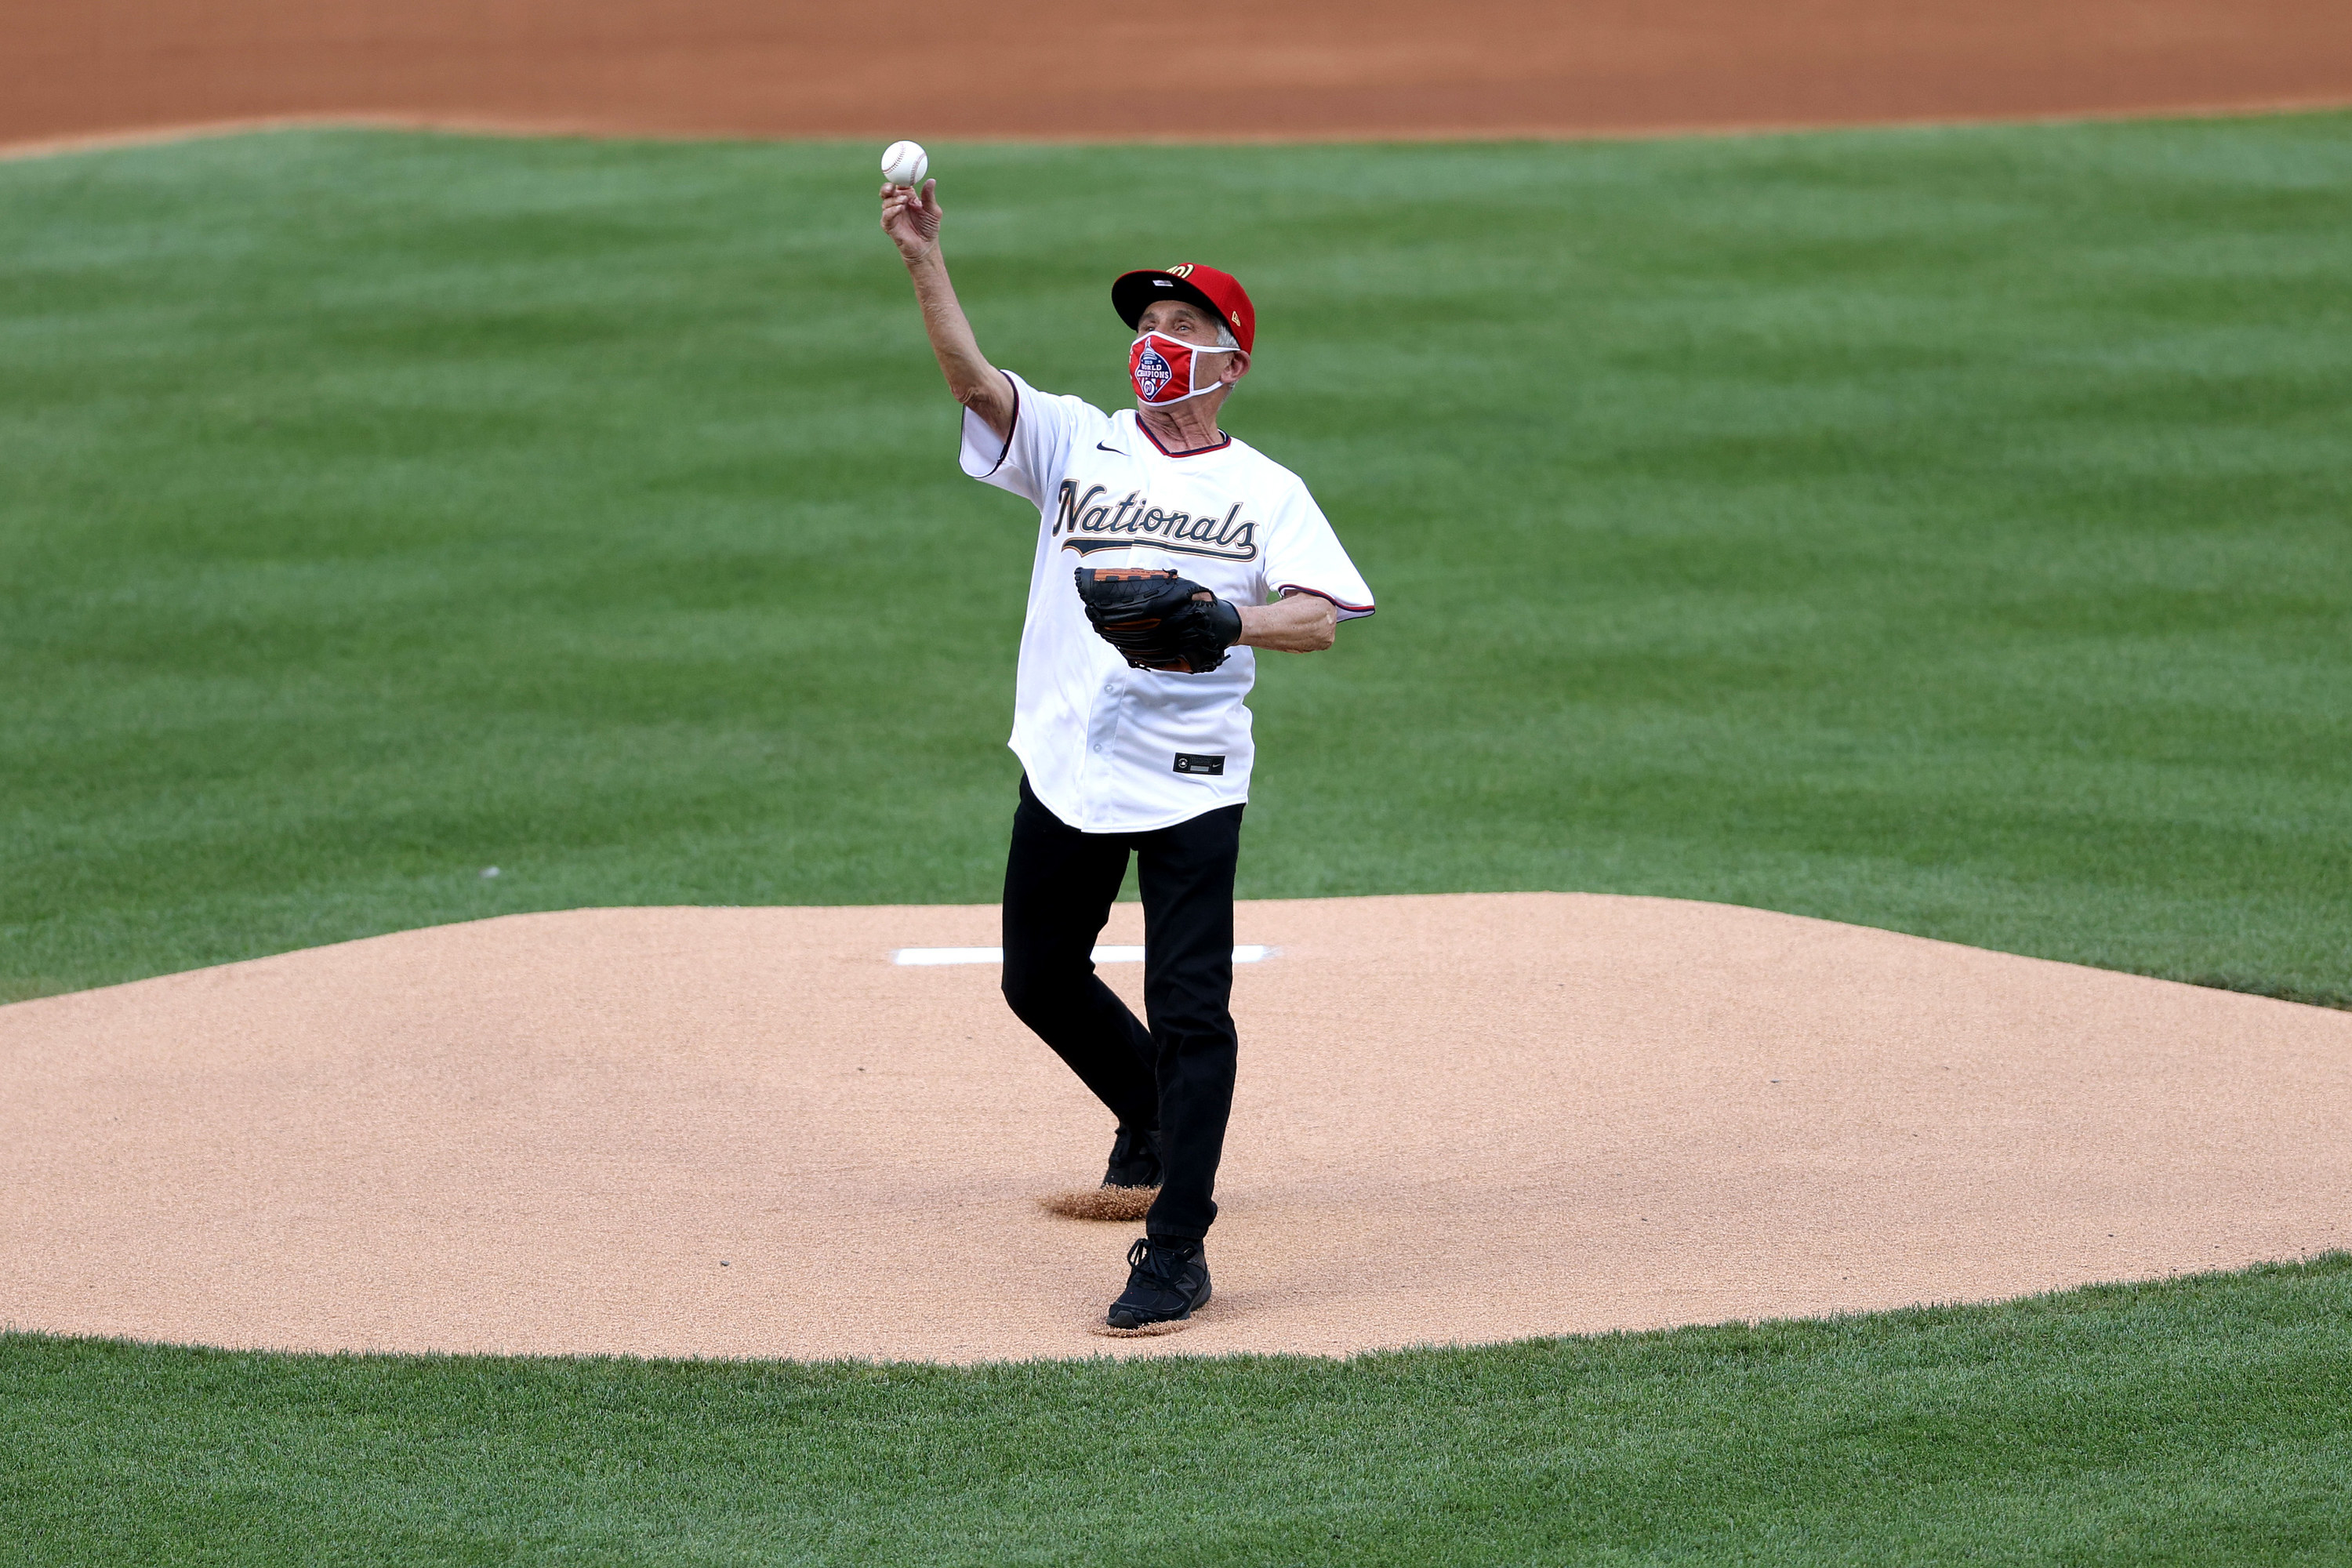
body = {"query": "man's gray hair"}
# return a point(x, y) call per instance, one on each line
point(1225, 339)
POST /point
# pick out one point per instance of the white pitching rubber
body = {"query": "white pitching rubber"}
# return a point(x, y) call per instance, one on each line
point(1251, 954)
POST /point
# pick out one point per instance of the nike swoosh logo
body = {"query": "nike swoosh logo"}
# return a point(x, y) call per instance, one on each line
point(1112, 450)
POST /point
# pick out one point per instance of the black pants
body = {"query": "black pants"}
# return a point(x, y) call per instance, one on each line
point(1177, 1075)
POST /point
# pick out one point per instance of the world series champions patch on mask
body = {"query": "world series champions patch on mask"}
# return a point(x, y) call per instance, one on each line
point(1167, 370)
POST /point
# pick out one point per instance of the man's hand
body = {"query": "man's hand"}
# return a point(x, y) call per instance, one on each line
point(911, 218)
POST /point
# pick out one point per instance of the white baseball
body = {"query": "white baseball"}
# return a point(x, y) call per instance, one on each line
point(905, 163)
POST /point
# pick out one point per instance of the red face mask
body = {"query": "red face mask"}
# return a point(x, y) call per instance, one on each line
point(1169, 370)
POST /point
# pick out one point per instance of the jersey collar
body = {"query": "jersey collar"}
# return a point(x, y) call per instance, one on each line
point(1223, 442)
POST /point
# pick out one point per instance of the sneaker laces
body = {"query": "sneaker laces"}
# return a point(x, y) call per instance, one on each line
point(1159, 1264)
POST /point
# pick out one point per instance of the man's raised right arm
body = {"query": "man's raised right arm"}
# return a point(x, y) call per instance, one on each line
point(911, 219)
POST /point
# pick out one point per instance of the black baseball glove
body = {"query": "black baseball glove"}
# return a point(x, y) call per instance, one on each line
point(1158, 620)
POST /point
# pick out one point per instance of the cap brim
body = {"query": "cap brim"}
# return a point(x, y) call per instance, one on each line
point(1133, 294)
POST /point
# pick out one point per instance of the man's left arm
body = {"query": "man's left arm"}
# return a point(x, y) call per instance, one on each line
point(1296, 623)
point(1312, 584)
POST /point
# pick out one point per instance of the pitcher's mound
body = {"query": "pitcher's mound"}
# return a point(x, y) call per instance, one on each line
point(746, 1133)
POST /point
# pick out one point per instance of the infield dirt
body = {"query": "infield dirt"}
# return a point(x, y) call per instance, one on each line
point(1312, 68)
point(746, 1133)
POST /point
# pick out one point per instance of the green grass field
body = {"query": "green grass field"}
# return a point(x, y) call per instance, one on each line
point(2193, 1422)
point(1949, 530)
point(1943, 531)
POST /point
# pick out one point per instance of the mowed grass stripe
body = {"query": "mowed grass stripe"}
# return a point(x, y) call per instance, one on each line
point(1938, 529)
point(2200, 1420)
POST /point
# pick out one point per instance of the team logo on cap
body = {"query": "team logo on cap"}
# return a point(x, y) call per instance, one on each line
point(1152, 371)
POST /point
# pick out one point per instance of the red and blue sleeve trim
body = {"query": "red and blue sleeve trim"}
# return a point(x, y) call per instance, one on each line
point(1010, 430)
point(1346, 609)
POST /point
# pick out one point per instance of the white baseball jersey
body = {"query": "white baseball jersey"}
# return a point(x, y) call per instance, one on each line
point(1114, 749)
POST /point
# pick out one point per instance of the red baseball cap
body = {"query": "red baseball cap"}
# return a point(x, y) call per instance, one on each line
point(1202, 286)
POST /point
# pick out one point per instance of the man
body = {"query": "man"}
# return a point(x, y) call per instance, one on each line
point(1185, 550)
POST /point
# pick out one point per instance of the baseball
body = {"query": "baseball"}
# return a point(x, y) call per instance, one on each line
point(904, 163)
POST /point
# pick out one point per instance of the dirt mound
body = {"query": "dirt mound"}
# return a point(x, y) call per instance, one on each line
point(746, 1133)
point(1062, 69)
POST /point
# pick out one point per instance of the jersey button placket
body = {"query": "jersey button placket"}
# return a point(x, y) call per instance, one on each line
point(1102, 729)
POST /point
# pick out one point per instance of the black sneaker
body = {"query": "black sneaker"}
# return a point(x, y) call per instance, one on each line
point(1166, 1281)
point(1134, 1159)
